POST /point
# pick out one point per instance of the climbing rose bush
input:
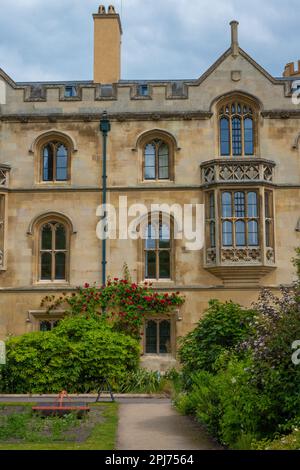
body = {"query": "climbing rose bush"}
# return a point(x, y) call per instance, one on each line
point(123, 302)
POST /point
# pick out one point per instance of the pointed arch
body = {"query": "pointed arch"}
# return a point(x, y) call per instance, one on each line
point(239, 95)
point(156, 133)
point(43, 216)
point(53, 134)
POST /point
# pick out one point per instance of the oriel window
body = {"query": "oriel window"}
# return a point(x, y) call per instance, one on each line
point(240, 219)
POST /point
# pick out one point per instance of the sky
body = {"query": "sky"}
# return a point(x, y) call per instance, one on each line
point(167, 39)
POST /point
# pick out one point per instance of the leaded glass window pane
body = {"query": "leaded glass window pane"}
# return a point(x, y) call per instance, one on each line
point(225, 136)
point(163, 162)
point(164, 236)
point(151, 337)
point(150, 162)
point(252, 205)
point(164, 265)
point(150, 265)
point(226, 205)
point(150, 237)
point(48, 163)
point(164, 337)
point(227, 233)
point(47, 237)
point(248, 136)
point(240, 233)
point(60, 237)
point(61, 163)
point(60, 266)
point(239, 204)
point(236, 136)
point(46, 264)
point(252, 233)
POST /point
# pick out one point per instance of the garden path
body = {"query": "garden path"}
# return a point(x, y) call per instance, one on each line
point(155, 425)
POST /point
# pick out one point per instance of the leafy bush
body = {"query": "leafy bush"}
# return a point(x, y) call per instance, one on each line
point(73, 356)
point(226, 402)
point(239, 378)
point(223, 327)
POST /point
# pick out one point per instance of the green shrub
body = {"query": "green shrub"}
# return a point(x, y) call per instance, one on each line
point(223, 327)
point(239, 377)
point(231, 408)
point(73, 356)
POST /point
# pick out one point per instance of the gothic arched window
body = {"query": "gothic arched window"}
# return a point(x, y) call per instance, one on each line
point(158, 249)
point(53, 251)
point(237, 129)
point(55, 162)
point(156, 160)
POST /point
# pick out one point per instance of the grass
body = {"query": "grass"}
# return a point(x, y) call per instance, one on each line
point(102, 437)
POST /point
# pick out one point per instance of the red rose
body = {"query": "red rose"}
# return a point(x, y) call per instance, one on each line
point(86, 285)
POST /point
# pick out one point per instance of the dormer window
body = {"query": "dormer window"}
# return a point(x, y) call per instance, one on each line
point(70, 91)
point(236, 129)
point(143, 90)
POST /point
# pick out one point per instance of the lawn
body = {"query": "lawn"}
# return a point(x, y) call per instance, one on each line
point(20, 429)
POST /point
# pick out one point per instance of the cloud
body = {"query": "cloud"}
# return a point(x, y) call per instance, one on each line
point(172, 39)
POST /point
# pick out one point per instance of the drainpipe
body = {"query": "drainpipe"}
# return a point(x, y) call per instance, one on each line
point(105, 129)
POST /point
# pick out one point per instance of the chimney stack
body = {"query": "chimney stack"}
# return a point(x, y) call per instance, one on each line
point(234, 38)
point(289, 70)
point(107, 45)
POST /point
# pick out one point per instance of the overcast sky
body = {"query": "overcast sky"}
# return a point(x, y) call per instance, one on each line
point(53, 40)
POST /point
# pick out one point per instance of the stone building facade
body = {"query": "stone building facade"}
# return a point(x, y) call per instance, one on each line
point(229, 140)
